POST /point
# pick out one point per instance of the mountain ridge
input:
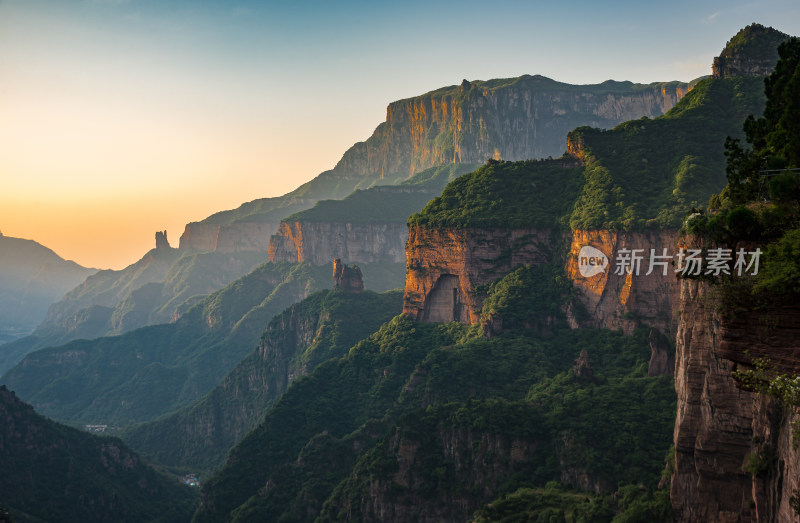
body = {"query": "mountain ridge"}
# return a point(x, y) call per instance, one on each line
point(32, 276)
point(50, 472)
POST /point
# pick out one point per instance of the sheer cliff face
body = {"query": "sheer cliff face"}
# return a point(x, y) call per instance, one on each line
point(321, 242)
point(621, 300)
point(233, 237)
point(753, 51)
point(719, 426)
point(527, 117)
point(713, 427)
point(446, 266)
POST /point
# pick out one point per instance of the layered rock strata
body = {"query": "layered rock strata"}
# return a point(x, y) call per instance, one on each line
point(624, 299)
point(233, 237)
point(445, 267)
point(321, 242)
point(752, 52)
point(735, 459)
point(713, 425)
point(516, 119)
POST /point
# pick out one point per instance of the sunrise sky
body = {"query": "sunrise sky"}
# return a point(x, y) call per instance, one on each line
point(122, 117)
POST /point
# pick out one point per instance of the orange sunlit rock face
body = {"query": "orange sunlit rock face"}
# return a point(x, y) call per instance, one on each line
point(621, 299)
point(605, 242)
point(445, 266)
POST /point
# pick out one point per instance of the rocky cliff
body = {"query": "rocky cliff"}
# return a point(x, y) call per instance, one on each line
point(348, 279)
point(512, 119)
point(447, 267)
point(713, 427)
point(232, 237)
point(320, 242)
point(616, 299)
point(751, 52)
point(734, 456)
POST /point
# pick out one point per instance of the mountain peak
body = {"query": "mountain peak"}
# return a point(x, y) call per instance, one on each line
point(753, 51)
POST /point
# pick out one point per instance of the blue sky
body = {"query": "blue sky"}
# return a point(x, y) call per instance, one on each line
point(168, 111)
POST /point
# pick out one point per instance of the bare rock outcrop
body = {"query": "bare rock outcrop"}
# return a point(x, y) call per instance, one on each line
point(161, 240)
point(233, 237)
point(662, 355)
point(734, 456)
point(713, 427)
point(751, 52)
point(445, 266)
point(320, 242)
point(526, 118)
point(582, 369)
point(620, 299)
point(346, 278)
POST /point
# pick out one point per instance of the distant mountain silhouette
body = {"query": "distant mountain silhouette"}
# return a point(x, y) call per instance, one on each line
point(31, 278)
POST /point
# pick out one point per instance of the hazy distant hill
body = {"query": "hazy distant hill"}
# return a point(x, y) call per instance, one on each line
point(31, 278)
point(509, 118)
point(50, 472)
point(153, 370)
point(323, 326)
point(147, 292)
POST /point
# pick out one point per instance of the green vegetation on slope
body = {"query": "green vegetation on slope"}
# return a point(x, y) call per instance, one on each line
point(761, 201)
point(336, 398)
point(50, 472)
point(648, 173)
point(151, 371)
point(505, 194)
point(631, 504)
point(335, 440)
point(323, 326)
point(165, 282)
point(755, 45)
point(527, 297)
point(641, 174)
point(385, 203)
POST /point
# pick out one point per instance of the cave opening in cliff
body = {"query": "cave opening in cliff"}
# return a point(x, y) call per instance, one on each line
point(444, 303)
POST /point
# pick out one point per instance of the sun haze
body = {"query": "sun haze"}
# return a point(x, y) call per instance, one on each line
point(120, 118)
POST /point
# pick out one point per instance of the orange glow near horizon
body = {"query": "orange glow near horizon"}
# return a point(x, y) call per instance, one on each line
point(120, 118)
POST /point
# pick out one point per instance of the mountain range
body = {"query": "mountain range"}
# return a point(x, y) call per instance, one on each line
point(512, 386)
point(31, 278)
point(516, 118)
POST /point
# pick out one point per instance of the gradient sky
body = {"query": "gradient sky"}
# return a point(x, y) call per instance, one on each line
point(122, 117)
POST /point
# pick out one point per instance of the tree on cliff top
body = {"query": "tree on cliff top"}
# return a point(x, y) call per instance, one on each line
point(774, 138)
point(762, 197)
